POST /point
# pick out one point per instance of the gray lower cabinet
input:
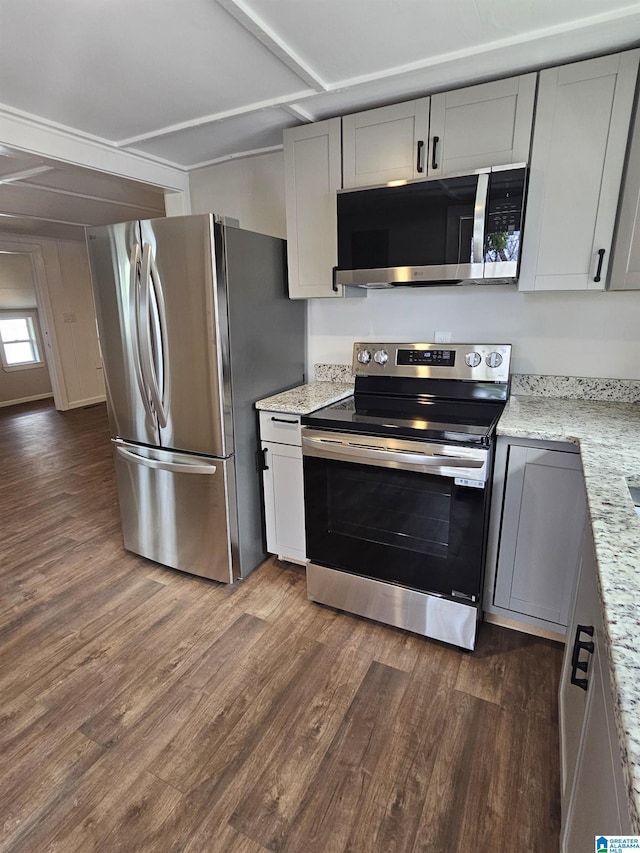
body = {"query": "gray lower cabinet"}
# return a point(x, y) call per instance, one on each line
point(593, 793)
point(283, 485)
point(538, 515)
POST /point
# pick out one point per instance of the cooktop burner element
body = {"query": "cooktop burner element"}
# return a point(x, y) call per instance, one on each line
point(423, 391)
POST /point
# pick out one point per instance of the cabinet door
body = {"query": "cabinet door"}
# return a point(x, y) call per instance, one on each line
point(579, 141)
point(385, 144)
point(625, 263)
point(543, 518)
point(594, 796)
point(572, 699)
point(486, 125)
point(593, 809)
point(312, 167)
point(284, 501)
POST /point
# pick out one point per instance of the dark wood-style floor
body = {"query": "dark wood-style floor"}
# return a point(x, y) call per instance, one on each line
point(144, 709)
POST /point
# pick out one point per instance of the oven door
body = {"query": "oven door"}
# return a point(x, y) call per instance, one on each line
point(407, 512)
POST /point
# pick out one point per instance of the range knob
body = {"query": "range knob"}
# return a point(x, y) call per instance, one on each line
point(494, 359)
point(473, 359)
point(364, 356)
point(381, 356)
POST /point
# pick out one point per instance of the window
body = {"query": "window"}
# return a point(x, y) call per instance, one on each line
point(20, 346)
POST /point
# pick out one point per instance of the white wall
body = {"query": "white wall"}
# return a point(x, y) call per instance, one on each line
point(251, 190)
point(562, 334)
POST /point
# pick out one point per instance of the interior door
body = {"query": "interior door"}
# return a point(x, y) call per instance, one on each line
point(184, 340)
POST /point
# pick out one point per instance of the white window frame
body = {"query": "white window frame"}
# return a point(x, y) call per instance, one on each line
point(32, 315)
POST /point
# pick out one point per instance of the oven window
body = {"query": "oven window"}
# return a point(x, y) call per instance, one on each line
point(365, 503)
point(416, 529)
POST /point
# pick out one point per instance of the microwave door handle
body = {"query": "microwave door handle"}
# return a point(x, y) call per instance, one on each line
point(479, 218)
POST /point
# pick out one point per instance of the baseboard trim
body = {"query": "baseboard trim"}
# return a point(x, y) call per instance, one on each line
point(25, 400)
point(89, 401)
point(524, 628)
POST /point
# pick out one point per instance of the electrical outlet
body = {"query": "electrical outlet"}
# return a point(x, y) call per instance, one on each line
point(442, 337)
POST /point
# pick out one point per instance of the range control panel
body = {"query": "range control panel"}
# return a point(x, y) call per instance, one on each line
point(470, 362)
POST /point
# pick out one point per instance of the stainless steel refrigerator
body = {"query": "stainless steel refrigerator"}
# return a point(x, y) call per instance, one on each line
point(194, 325)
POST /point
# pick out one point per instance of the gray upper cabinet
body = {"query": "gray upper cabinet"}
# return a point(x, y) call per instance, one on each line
point(387, 144)
point(625, 265)
point(485, 125)
point(582, 123)
point(313, 173)
point(462, 130)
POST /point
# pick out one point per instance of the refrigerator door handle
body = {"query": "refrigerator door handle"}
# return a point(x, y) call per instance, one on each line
point(134, 324)
point(176, 467)
point(150, 280)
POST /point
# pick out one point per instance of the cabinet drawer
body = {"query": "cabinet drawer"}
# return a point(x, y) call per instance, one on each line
point(280, 427)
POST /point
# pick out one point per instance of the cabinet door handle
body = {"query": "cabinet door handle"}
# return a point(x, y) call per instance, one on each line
point(420, 162)
point(284, 420)
point(265, 467)
point(434, 162)
point(600, 260)
point(576, 663)
point(334, 283)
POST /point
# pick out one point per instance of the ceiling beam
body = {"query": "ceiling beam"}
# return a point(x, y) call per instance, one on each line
point(23, 132)
point(280, 102)
point(298, 113)
point(272, 41)
point(14, 177)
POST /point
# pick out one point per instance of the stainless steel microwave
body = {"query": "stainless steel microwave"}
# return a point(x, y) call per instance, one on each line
point(454, 230)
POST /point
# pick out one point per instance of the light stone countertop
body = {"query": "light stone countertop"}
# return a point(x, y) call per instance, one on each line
point(306, 398)
point(608, 435)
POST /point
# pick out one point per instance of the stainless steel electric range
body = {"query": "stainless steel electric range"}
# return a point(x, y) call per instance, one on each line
point(397, 486)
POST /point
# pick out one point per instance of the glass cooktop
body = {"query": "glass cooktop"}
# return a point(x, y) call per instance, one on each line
point(441, 420)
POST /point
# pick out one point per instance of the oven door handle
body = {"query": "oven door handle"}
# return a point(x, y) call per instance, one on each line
point(328, 449)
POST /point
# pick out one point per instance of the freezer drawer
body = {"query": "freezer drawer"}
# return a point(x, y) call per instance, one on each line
point(175, 508)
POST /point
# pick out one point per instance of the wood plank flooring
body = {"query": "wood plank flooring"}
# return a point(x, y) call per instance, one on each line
point(142, 709)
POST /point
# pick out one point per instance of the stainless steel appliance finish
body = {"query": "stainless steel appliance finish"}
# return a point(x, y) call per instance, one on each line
point(396, 486)
point(194, 326)
point(438, 618)
point(440, 460)
point(164, 495)
point(472, 362)
point(462, 229)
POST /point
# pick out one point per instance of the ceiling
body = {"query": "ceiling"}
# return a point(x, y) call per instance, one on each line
point(190, 83)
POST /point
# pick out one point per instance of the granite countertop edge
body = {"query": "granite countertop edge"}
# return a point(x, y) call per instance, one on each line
point(306, 398)
point(608, 436)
